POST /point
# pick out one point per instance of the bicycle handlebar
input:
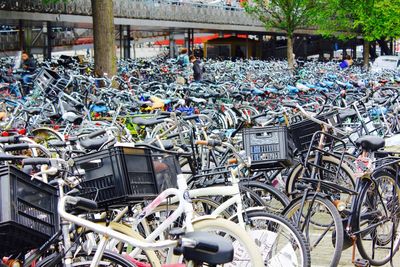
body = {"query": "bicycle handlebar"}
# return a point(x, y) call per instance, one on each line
point(212, 143)
point(36, 161)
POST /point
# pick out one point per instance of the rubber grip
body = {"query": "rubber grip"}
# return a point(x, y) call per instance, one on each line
point(36, 161)
point(16, 147)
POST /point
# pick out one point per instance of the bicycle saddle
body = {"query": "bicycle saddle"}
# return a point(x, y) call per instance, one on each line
point(380, 100)
point(345, 114)
point(370, 142)
point(211, 248)
point(34, 111)
point(147, 122)
point(168, 144)
point(93, 144)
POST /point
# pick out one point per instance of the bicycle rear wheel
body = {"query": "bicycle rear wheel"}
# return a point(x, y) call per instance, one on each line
point(378, 218)
point(323, 228)
point(247, 252)
point(280, 241)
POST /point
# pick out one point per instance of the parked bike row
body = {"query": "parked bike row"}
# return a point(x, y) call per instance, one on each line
point(253, 166)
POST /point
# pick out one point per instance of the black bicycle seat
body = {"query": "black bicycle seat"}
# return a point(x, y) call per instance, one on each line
point(345, 114)
point(147, 122)
point(93, 144)
point(211, 248)
point(370, 142)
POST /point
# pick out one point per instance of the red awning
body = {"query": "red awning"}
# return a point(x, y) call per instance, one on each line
point(200, 40)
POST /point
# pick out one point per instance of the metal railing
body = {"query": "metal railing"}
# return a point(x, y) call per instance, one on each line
point(172, 10)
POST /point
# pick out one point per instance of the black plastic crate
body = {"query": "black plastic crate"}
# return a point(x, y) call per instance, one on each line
point(268, 147)
point(117, 176)
point(303, 131)
point(28, 211)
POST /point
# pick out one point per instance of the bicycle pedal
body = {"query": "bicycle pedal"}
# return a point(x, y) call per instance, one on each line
point(361, 263)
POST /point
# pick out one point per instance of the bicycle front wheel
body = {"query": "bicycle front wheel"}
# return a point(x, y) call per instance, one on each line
point(247, 252)
point(322, 225)
point(378, 218)
point(280, 241)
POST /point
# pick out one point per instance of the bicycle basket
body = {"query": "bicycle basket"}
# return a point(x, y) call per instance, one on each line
point(118, 176)
point(28, 211)
point(303, 131)
point(268, 147)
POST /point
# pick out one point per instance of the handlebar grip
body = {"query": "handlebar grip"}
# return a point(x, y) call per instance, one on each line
point(85, 204)
point(36, 161)
point(201, 142)
point(15, 147)
point(289, 105)
point(9, 139)
point(96, 133)
point(209, 143)
point(192, 117)
point(232, 161)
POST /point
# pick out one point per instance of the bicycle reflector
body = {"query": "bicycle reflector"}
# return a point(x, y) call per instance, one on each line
point(340, 205)
point(5, 134)
point(22, 131)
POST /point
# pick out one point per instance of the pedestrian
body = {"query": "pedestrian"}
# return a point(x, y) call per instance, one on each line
point(347, 62)
point(197, 69)
point(28, 64)
point(183, 58)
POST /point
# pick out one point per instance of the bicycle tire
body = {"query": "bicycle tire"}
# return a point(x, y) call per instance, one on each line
point(276, 222)
point(268, 193)
point(54, 260)
point(337, 237)
point(234, 230)
point(367, 195)
point(347, 174)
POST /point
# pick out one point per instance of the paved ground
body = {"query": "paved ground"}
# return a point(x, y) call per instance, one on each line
point(323, 256)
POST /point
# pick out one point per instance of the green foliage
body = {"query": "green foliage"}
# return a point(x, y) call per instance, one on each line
point(285, 15)
point(372, 19)
point(47, 2)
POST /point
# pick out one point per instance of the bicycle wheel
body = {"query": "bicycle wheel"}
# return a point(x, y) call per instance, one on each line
point(322, 225)
point(275, 201)
point(247, 253)
point(83, 260)
point(378, 218)
point(345, 178)
point(281, 242)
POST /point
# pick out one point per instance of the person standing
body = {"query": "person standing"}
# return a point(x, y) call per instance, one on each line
point(28, 64)
point(346, 63)
point(197, 69)
point(183, 58)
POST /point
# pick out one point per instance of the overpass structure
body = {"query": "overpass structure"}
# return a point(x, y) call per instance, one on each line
point(134, 19)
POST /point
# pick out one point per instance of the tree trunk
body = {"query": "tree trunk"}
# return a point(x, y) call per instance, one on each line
point(104, 38)
point(366, 48)
point(290, 55)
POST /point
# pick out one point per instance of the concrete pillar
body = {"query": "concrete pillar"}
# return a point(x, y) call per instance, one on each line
point(21, 38)
point(171, 45)
point(27, 38)
point(121, 44)
point(273, 45)
point(127, 41)
point(186, 39)
point(391, 47)
point(46, 35)
point(305, 47)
